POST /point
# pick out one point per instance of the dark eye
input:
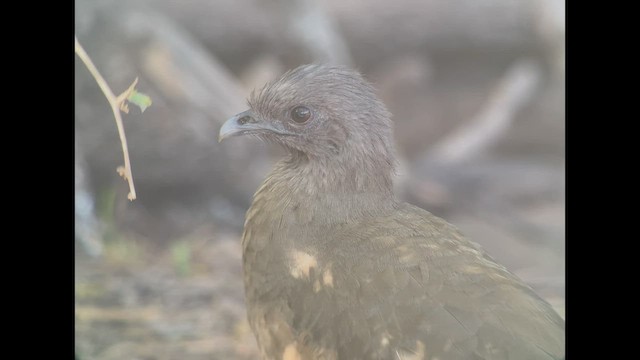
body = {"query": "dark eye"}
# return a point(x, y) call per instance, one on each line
point(300, 114)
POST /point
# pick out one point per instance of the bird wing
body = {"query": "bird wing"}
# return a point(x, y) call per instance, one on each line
point(410, 286)
point(431, 293)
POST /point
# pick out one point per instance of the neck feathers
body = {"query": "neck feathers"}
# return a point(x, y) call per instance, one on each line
point(305, 190)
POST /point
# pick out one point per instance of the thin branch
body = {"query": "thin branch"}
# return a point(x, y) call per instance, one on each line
point(115, 103)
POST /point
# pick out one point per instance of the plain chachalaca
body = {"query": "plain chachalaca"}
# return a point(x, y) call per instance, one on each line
point(335, 267)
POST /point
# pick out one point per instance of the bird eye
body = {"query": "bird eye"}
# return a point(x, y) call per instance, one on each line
point(300, 114)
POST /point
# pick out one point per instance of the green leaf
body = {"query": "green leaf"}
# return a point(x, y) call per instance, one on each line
point(143, 101)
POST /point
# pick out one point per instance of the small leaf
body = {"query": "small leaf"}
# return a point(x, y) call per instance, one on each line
point(143, 101)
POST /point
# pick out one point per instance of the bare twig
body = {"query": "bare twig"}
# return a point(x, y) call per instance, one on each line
point(116, 103)
point(516, 88)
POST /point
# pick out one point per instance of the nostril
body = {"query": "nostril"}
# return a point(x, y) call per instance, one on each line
point(245, 119)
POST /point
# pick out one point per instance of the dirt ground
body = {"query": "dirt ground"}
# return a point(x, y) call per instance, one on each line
point(143, 302)
point(184, 300)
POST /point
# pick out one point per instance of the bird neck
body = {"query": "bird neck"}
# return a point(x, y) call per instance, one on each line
point(332, 190)
point(346, 172)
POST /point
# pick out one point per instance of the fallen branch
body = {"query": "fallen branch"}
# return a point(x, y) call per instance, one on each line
point(516, 89)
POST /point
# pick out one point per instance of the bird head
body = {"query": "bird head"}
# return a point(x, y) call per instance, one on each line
point(320, 112)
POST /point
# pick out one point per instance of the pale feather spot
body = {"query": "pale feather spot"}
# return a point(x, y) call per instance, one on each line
point(302, 263)
point(420, 350)
point(406, 254)
point(418, 354)
point(316, 286)
point(327, 278)
point(291, 353)
point(384, 341)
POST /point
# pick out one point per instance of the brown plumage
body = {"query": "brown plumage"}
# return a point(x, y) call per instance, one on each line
point(335, 267)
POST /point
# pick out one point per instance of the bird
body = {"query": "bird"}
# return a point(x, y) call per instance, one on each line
point(335, 266)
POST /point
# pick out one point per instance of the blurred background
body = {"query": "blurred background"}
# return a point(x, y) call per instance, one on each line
point(476, 88)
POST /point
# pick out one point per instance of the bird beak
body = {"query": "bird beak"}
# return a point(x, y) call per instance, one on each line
point(244, 123)
point(237, 125)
